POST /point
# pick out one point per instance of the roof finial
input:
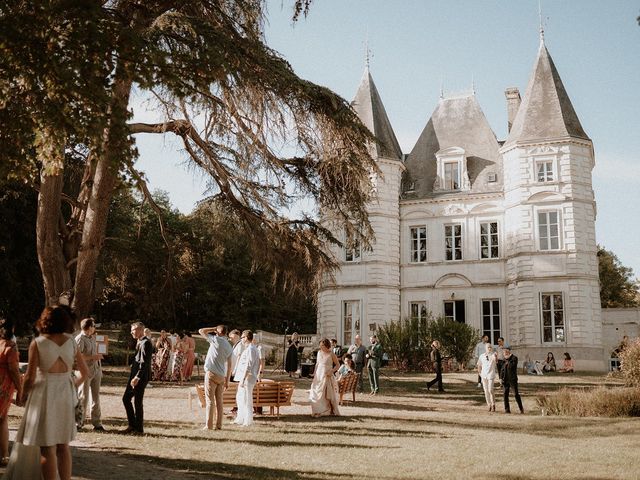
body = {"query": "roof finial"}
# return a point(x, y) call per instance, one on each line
point(540, 17)
point(473, 84)
point(442, 86)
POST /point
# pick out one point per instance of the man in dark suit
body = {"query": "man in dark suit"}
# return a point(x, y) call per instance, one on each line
point(509, 376)
point(140, 376)
point(436, 362)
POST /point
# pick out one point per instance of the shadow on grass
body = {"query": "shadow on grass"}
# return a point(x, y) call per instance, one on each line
point(154, 467)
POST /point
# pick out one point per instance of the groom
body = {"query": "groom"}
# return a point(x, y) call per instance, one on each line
point(140, 376)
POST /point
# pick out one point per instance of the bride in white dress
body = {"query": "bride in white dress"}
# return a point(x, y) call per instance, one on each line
point(49, 397)
point(324, 388)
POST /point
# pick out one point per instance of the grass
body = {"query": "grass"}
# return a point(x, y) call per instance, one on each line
point(404, 433)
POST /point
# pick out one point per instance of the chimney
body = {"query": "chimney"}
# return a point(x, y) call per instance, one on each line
point(513, 103)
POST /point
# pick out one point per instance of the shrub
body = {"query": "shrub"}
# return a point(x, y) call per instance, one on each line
point(630, 363)
point(405, 343)
point(408, 341)
point(596, 402)
point(458, 339)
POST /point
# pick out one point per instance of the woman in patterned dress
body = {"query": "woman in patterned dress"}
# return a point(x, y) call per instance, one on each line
point(160, 363)
point(178, 362)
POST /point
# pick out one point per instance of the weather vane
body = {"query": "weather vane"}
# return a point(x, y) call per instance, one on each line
point(540, 17)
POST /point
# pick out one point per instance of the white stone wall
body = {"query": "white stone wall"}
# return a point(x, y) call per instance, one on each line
point(386, 281)
point(374, 280)
point(616, 323)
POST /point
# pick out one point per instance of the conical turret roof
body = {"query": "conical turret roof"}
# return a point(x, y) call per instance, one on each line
point(546, 111)
point(368, 105)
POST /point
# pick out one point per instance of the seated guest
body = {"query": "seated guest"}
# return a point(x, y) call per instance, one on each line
point(533, 367)
point(347, 368)
point(567, 365)
point(549, 365)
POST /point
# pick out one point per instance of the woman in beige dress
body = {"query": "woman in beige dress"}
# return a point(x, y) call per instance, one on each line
point(324, 388)
point(49, 397)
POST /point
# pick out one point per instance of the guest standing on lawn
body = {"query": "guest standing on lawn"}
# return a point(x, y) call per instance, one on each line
point(217, 371)
point(436, 363)
point(324, 388)
point(49, 397)
point(358, 352)
point(180, 352)
point(161, 358)
point(190, 356)
point(87, 346)
point(510, 380)
point(138, 379)
point(374, 355)
point(487, 371)
point(247, 372)
point(291, 360)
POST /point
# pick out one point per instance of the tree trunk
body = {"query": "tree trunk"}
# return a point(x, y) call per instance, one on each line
point(52, 261)
point(107, 164)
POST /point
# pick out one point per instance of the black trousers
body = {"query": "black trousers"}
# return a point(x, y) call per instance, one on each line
point(437, 380)
point(507, 387)
point(135, 411)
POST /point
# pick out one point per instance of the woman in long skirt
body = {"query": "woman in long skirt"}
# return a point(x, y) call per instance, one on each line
point(160, 363)
point(324, 388)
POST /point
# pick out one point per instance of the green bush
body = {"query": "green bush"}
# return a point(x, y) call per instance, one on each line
point(458, 339)
point(405, 343)
point(630, 363)
point(595, 402)
point(408, 341)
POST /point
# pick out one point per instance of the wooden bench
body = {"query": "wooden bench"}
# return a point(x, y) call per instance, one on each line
point(349, 384)
point(265, 394)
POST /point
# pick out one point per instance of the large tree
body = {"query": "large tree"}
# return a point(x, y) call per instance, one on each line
point(68, 72)
point(617, 286)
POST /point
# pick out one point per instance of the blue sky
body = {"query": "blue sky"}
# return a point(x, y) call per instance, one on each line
point(420, 45)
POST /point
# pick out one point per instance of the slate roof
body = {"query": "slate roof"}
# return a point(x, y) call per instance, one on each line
point(546, 111)
point(456, 122)
point(368, 105)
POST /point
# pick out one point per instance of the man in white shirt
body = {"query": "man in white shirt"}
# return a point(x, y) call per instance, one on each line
point(480, 350)
point(238, 348)
point(246, 374)
point(87, 346)
point(487, 371)
point(217, 370)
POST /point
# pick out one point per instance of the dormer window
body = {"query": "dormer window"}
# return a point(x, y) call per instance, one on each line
point(452, 170)
point(451, 176)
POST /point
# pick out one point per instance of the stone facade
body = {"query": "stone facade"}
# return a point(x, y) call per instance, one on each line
point(499, 235)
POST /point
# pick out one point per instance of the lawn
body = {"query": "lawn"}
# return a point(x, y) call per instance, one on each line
point(403, 433)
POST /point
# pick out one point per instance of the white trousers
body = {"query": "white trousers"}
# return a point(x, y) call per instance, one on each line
point(244, 401)
point(487, 385)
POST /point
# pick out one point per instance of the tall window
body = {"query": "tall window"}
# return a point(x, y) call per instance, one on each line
point(418, 244)
point(489, 240)
point(453, 242)
point(549, 230)
point(352, 254)
point(544, 170)
point(553, 325)
point(350, 321)
point(491, 319)
point(454, 310)
point(451, 176)
point(418, 310)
